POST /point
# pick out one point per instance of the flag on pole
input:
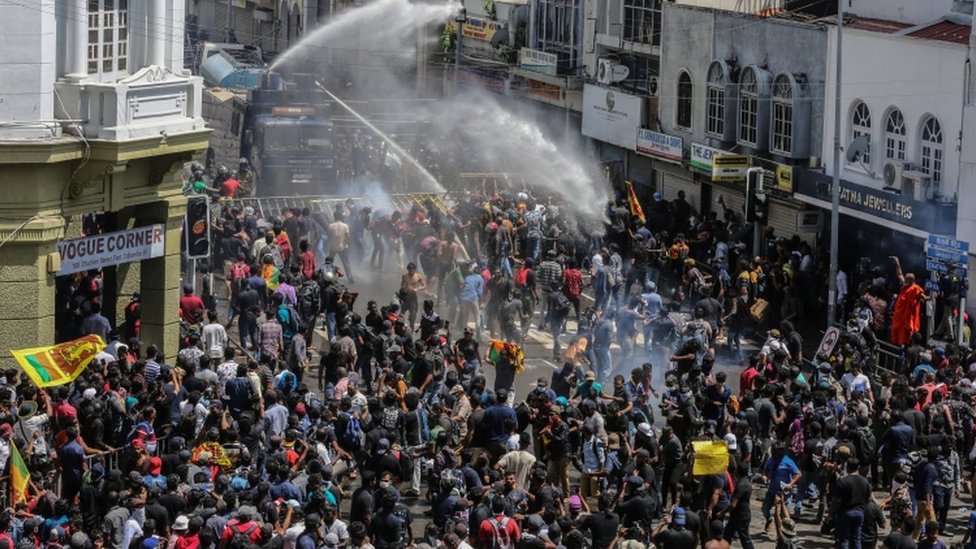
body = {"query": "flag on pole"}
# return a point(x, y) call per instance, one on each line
point(58, 364)
point(635, 207)
point(19, 475)
point(498, 349)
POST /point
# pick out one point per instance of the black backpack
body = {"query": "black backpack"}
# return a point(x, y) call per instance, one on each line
point(309, 299)
point(242, 539)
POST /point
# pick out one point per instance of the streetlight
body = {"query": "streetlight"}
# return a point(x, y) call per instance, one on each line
point(460, 18)
point(835, 187)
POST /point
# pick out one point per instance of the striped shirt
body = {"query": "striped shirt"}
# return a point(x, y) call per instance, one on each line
point(549, 275)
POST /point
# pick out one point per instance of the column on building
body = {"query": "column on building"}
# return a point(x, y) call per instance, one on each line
point(160, 277)
point(76, 50)
point(27, 304)
point(156, 47)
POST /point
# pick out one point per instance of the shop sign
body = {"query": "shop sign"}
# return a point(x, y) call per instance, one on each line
point(545, 90)
point(901, 209)
point(730, 167)
point(479, 28)
point(702, 155)
point(612, 116)
point(538, 61)
point(784, 177)
point(115, 248)
point(660, 145)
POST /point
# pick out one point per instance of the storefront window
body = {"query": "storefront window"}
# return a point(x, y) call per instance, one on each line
point(749, 108)
point(861, 127)
point(896, 143)
point(685, 95)
point(715, 111)
point(931, 154)
point(783, 96)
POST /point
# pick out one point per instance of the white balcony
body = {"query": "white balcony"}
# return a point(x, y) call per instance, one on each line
point(154, 101)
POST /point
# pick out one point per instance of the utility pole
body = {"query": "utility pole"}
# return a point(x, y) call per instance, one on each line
point(459, 19)
point(835, 187)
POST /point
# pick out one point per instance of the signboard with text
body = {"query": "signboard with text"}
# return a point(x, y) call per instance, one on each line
point(612, 116)
point(115, 248)
point(538, 61)
point(730, 167)
point(701, 157)
point(814, 187)
point(479, 28)
point(660, 145)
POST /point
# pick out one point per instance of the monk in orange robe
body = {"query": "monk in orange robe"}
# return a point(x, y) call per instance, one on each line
point(907, 316)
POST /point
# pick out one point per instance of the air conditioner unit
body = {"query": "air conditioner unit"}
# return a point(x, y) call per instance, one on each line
point(652, 85)
point(918, 185)
point(891, 172)
point(604, 71)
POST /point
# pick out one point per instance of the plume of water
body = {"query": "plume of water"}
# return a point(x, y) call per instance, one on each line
point(496, 137)
point(357, 29)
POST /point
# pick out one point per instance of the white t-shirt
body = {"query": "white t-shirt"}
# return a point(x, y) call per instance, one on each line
point(853, 383)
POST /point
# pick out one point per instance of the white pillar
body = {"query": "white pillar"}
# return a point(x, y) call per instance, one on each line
point(156, 46)
point(76, 52)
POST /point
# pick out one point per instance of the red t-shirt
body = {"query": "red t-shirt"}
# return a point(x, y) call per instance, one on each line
point(573, 281)
point(307, 260)
point(191, 307)
point(229, 187)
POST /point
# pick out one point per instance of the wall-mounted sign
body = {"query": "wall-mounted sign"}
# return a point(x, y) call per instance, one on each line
point(543, 89)
point(660, 145)
point(730, 167)
point(784, 178)
point(479, 28)
point(115, 248)
point(701, 157)
point(815, 188)
point(538, 61)
point(612, 116)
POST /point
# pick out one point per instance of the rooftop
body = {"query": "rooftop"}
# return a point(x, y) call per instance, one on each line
point(876, 25)
point(944, 31)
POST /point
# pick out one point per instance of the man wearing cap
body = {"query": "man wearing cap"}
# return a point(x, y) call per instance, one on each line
point(155, 479)
point(191, 306)
point(675, 536)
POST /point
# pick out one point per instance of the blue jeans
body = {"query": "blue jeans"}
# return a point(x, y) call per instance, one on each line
point(330, 324)
point(603, 363)
point(248, 330)
point(533, 246)
point(847, 529)
point(806, 481)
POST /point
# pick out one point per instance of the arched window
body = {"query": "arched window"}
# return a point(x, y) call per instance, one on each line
point(749, 107)
point(685, 94)
point(783, 96)
point(896, 141)
point(861, 126)
point(715, 107)
point(931, 154)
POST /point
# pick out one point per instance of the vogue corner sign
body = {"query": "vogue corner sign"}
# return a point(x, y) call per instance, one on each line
point(115, 248)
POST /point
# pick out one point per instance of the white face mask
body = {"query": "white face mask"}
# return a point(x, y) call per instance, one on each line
point(384, 484)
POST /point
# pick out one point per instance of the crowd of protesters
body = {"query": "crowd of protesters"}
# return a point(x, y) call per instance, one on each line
point(665, 331)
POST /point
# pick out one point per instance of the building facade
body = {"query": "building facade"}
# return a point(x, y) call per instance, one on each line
point(97, 114)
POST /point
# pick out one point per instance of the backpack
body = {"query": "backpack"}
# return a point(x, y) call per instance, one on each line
point(760, 283)
point(436, 357)
point(309, 300)
point(500, 538)
point(294, 321)
point(240, 538)
point(188, 424)
point(352, 436)
point(238, 272)
point(866, 444)
point(522, 277)
point(561, 304)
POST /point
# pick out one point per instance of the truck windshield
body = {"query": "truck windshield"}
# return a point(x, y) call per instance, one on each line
point(295, 138)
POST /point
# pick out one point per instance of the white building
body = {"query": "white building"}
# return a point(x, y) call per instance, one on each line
point(904, 90)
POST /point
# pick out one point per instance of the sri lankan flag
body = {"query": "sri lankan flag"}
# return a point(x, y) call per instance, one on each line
point(61, 363)
point(498, 349)
point(19, 475)
point(635, 207)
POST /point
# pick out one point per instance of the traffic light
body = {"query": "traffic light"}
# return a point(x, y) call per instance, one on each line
point(196, 229)
point(757, 201)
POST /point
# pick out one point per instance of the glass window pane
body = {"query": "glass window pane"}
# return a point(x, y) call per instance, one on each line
point(107, 65)
point(121, 63)
point(108, 35)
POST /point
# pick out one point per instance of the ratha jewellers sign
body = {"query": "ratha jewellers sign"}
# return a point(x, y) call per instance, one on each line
point(115, 248)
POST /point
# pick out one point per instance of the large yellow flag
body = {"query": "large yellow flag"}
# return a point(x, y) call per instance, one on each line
point(19, 475)
point(635, 207)
point(711, 457)
point(58, 364)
